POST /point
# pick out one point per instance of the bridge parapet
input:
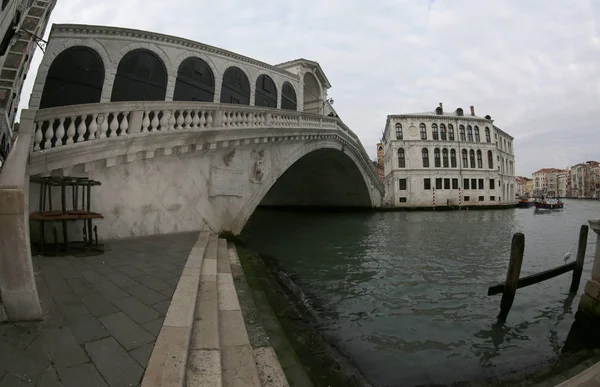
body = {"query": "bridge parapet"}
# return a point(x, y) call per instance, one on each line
point(68, 127)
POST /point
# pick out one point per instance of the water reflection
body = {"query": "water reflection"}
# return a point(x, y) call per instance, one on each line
point(406, 292)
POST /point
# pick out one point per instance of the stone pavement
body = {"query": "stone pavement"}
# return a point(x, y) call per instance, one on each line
point(102, 315)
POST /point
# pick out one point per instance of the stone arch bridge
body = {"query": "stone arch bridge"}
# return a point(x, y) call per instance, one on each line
point(180, 166)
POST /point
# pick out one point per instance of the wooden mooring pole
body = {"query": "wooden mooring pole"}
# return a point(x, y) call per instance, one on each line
point(581, 248)
point(517, 249)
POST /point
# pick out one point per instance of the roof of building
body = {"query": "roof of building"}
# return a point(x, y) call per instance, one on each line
point(550, 170)
point(320, 72)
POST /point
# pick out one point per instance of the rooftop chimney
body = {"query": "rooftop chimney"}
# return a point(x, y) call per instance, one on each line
point(472, 110)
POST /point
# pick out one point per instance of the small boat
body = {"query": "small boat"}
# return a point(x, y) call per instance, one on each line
point(555, 204)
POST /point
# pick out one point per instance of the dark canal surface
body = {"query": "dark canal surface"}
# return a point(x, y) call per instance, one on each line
point(404, 293)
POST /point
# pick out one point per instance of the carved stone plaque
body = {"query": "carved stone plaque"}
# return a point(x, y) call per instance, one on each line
point(225, 182)
point(413, 131)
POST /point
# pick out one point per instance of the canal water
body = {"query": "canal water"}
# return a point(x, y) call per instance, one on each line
point(404, 293)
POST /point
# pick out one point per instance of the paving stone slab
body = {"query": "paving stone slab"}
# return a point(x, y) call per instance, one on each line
point(12, 381)
point(162, 306)
point(121, 280)
point(87, 328)
point(92, 276)
point(114, 363)
point(69, 273)
point(98, 305)
point(81, 375)
point(129, 334)
point(142, 354)
point(136, 310)
point(154, 326)
point(49, 379)
point(17, 361)
point(80, 286)
point(110, 291)
point(61, 346)
point(147, 295)
point(19, 334)
point(152, 282)
point(131, 271)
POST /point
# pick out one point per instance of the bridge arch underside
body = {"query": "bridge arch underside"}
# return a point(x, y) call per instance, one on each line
point(213, 189)
point(323, 178)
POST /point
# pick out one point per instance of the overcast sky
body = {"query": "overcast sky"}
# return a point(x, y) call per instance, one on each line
point(532, 65)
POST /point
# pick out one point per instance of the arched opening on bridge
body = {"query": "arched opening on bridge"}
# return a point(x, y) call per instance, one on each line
point(266, 92)
point(312, 94)
point(195, 81)
point(141, 76)
point(76, 76)
point(324, 178)
point(288, 97)
point(236, 87)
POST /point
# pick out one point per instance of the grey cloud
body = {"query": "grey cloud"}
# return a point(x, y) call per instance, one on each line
point(533, 66)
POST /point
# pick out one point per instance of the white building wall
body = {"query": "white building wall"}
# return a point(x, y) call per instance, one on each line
point(499, 192)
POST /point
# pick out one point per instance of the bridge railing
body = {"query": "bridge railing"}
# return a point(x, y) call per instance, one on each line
point(65, 125)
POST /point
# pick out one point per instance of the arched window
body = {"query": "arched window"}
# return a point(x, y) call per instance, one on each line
point(465, 159)
point(399, 131)
point(452, 158)
point(266, 92)
point(490, 160)
point(425, 154)
point(469, 133)
point(76, 76)
point(288, 97)
point(195, 81)
point(445, 157)
point(443, 132)
point(476, 129)
point(434, 132)
point(472, 158)
point(461, 130)
point(487, 135)
point(450, 132)
point(436, 158)
point(401, 159)
point(479, 159)
point(141, 76)
point(423, 131)
point(236, 87)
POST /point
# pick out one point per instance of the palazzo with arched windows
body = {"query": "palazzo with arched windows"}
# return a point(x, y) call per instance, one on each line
point(427, 163)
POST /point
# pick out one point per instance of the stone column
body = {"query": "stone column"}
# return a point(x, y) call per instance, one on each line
point(17, 283)
point(590, 300)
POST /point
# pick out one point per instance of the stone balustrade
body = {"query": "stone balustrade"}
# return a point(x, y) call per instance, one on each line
point(70, 125)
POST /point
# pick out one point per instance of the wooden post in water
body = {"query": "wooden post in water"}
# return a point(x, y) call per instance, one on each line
point(581, 248)
point(517, 248)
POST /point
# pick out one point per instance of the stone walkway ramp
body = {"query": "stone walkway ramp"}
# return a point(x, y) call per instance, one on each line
point(102, 315)
point(203, 341)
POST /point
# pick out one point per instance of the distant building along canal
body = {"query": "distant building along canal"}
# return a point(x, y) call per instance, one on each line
point(438, 159)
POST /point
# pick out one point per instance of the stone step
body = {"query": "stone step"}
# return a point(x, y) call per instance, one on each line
point(204, 362)
point(237, 356)
point(268, 365)
point(168, 362)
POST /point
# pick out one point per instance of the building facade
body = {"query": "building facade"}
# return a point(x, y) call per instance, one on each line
point(523, 186)
point(22, 24)
point(550, 182)
point(585, 180)
point(439, 158)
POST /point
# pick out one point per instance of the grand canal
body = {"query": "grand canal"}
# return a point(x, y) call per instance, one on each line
point(404, 293)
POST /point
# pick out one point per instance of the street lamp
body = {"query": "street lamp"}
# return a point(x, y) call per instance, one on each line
point(327, 101)
point(41, 43)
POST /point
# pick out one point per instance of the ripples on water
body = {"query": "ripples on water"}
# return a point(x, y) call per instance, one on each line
point(404, 293)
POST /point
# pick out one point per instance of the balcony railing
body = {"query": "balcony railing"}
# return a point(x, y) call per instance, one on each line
point(66, 125)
